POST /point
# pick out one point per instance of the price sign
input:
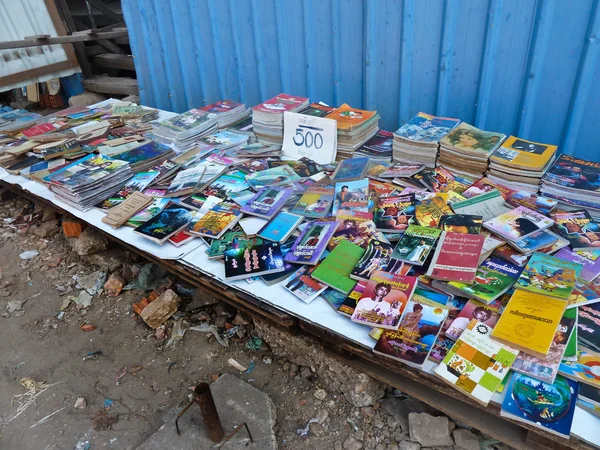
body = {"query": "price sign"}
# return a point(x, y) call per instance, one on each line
point(309, 136)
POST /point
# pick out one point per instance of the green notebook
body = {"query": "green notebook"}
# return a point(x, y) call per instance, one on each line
point(335, 269)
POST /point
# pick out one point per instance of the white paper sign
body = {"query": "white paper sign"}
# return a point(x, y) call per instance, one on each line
point(309, 136)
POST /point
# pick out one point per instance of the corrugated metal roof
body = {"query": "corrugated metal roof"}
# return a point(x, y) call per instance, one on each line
point(522, 67)
point(19, 19)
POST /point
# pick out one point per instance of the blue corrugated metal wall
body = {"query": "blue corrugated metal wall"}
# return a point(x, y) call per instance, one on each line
point(525, 67)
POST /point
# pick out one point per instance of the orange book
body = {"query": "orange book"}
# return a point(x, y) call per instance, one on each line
point(349, 118)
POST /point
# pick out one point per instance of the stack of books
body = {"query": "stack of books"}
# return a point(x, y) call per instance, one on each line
point(228, 112)
point(145, 156)
point(573, 183)
point(317, 110)
point(89, 180)
point(354, 128)
point(466, 150)
point(417, 140)
point(267, 118)
point(520, 164)
point(378, 148)
point(183, 130)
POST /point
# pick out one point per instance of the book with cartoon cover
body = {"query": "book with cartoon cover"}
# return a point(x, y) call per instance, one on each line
point(220, 218)
point(548, 275)
point(429, 212)
point(467, 139)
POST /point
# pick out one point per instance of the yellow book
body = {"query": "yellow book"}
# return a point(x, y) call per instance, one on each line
point(529, 322)
point(522, 154)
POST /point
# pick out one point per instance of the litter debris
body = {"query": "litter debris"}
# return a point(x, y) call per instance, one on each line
point(236, 365)
point(352, 424)
point(54, 262)
point(92, 355)
point(16, 307)
point(303, 402)
point(320, 394)
point(107, 404)
point(304, 431)
point(92, 283)
point(83, 300)
point(267, 360)
point(177, 333)
point(87, 327)
point(205, 328)
point(29, 254)
point(82, 444)
point(103, 421)
point(34, 390)
point(250, 367)
point(17, 366)
point(80, 403)
point(60, 315)
point(114, 285)
point(254, 343)
point(47, 418)
point(149, 275)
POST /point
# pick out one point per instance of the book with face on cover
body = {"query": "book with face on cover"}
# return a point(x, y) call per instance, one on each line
point(248, 260)
point(416, 244)
point(274, 176)
point(419, 327)
point(383, 300)
point(518, 223)
point(545, 369)
point(487, 314)
point(443, 344)
point(440, 180)
point(356, 227)
point(543, 205)
point(426, 128)
point(302, 285)
point(165, 224)
point(522, 154)
point(267, 202)
point(394, 214)
point(377, 256)
point(476, 365)
point(548, 275)
point(312, 242)
point(351, 196)
point(484, 185)
point(315, 202)
point(493, 278)
point(456, 257)
point(461, 223)
point(335, 269)
point(578, 227)
point(529, 322)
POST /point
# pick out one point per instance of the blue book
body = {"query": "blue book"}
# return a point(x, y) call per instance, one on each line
point(542, 405)
point(280, 227)
point(267, 202)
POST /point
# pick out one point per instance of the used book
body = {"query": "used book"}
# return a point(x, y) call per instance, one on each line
point(165, 224)
point(486, 313)
point(302, 285)
point(219, 219)
point(456, 257)
point(377, 256)
point(351, 196)
point(416, 244)
point(383, 300)
point(529, 322)
point(584, 369)
point(394, 214)
point(350, 169)
point(315, 202)
point(312, 242)
point(548, 275)
point(578, 227)
point(476, 365)
point(280, 227)
point(518, 223)
point(267, 202)
point(488, 205)
point(253, 260)
point(429, 212)
point(589, 326)
point(335, 269)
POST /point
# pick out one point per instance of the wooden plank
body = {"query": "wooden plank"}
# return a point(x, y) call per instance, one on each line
point(122, 40)
point(63, 39)
point(112, 85)
point(94, 50)
point(111, 14)
point(110, 47)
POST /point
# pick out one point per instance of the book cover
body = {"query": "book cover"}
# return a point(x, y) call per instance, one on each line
point(509, 254)
point(349, 303)
point(522, 154)
point(335, 269)
point(536, 241)
point(229, 239)
point(379, 189)
point(216, 221)
point(529, 322)
point(488, 205)
point(416, 244)
point(442, 344)
point(399, 170)
point(353, 226)
point(418, 330)
point(350, 169)
point(476, 365)
point(440, 180)
point(275, 278)
point(456, 257)
point(252, 260)
point(543, 205)
point(588, 326)
point(485, 313)
point(578, 227)
point(226, 184)
point(584, 293)
point(267, 202)
point(312, 242)
point(317, 110)
point(379, 145)
point(545, 369)
point(493, 278)
point(383, 300)
point(280, 227)
point(165, 224)
point(185, 182)
point(394, 214)
point(547, 406)
point(584, 369)
point(315, 202)
point(86, 170)
point(302, 285)
point(351, 196)
point(472, 139)
point(575, 173)
point(377, 256)
point(429, 212)
point(485, 185)
point(548, 275)
point(334, 298)
point(157, 205)
point(518, 223)
point(273, 176)
point(426, 128)
point(303, 167)
point(280, 103)
point(460, 223)
point(589, 260)
point(349, 118)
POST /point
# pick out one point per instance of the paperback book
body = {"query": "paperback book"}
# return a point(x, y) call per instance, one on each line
point(548, 275)
point(377, 257)
point(442, 344)
point(280, 227)
point(589, 327)
point(394, 214)
point(334, 298)
point(486, 313)
point(165, 224)
point(461, 223)
point(578, 227)
point(356, 227)
point(220, 218)
point(383, 300)
point(416, 244)
point(411, 343)
point(476, 365)
point(271, 177)
point(456, 257)
point(351, 169)
point(488, 205)
point(335, 269)
point(230, 239)
point(315, 202)
point(253, 260)
point(534, 242)
point(583, 370)
point(302, 285)
point(518, 223)
point(493, 278)
point(429, 212)
point(543, 205)
point(589, 260)
point(312, 242)
point(351, 196)
point(267, 202)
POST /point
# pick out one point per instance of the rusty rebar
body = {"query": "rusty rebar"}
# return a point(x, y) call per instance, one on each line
point(209, 412)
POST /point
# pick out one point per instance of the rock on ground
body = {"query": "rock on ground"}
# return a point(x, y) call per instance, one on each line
point(109, 260)
point(399, 409)
point(163, 307)
point(89, 242)
point(465, 440)
point(358, 388)
point(236, 402)
point(407, 445)
point(429, 431)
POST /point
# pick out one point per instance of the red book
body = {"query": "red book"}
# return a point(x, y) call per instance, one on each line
point(456, 257)
point(281, 103)
point(42, 128)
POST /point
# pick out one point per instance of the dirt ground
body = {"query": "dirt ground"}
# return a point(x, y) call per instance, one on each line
point(135, 381)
